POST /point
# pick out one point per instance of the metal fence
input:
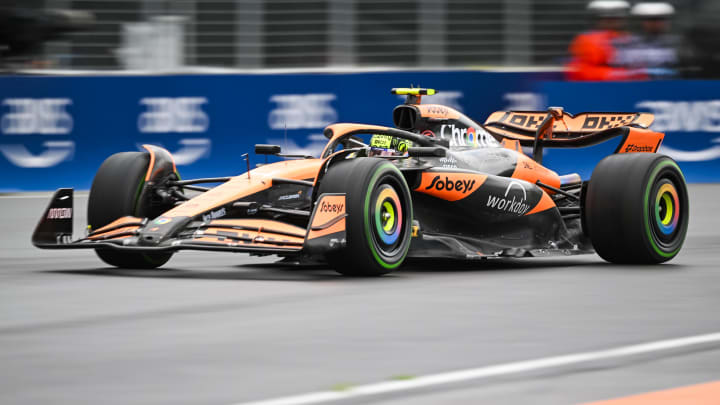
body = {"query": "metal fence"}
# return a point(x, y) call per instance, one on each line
point(319, 33)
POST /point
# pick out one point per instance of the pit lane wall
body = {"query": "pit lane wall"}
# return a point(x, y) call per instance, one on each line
point(57, 130)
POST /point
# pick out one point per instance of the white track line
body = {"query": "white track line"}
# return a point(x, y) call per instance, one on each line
point(485, 372)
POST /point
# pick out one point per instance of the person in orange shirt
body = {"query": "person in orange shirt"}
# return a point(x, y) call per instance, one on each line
point(596, 54)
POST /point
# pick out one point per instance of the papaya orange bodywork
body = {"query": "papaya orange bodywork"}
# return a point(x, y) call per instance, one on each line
point(242, 186)
point(531, 171)
point(641, 140)
point(329, 216)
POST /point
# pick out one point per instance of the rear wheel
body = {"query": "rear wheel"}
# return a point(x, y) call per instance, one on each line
point(379, 208)
point(637, 208)
point(115, 193)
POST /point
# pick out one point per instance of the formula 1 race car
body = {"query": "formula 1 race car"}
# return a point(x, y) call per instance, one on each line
point(438, 185)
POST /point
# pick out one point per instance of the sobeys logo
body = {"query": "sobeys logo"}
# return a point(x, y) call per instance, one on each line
point(450, 186)
point(332, 208)
point(462, 186)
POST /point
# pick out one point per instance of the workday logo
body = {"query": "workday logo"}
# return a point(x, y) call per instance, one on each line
point(511, 203)
point(36, 116)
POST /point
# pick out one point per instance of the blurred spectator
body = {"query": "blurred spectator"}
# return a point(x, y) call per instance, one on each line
point(597, 54)
point(654, 50)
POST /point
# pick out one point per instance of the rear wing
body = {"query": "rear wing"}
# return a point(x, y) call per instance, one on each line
point(559, 129)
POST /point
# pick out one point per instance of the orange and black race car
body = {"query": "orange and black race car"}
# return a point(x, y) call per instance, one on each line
point(438, 185)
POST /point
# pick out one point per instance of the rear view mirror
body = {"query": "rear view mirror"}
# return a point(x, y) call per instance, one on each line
point(261, 149)
point(428, 151)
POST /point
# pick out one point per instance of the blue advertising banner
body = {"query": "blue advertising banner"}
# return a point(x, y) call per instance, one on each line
point(56, 131)
point(687, 111)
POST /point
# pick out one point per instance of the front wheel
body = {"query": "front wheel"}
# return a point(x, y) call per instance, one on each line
point(115, 193)
point(379, 222)
point(637, 209)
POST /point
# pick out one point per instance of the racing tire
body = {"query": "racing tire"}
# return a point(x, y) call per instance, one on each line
point(636, 208)
point(379, 216)
point(115, 193)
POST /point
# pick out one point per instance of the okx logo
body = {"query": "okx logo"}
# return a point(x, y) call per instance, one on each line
point(450, 186)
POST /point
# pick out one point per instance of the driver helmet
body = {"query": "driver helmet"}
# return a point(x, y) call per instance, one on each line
point(609, 8)
point(387, 145)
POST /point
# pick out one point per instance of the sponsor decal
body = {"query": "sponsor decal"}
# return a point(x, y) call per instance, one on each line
point(638, 148)
point(54, 153)
point(526, 120)
point(513, 205)
point(331, 208)
point(59, 213)
point(683, 116)
point(450, 186)
point(456, 135)
point(605, 121)
point(162, 220)
point(428, 133)
point(289, 197)
point(686, 116)
point(37, 116)
point(462, 186)
point(381, 141)
point(329, 216)
point(434, 110)
point(467, 136)
point(298, 111)
point(448, 161)
point(214, 215)
point(173, 114)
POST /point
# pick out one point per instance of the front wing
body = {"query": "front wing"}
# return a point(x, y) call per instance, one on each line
point(326, 231)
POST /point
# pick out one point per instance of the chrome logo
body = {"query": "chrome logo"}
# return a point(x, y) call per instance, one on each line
point(472, 136)
point(162, 220)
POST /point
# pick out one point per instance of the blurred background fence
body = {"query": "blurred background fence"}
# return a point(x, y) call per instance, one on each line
point(249, 34)
point(318, 33)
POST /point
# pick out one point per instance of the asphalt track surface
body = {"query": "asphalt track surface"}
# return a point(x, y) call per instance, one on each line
point(216, 328)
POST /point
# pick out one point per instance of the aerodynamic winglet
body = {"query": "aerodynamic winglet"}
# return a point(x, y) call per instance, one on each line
point(56, 224)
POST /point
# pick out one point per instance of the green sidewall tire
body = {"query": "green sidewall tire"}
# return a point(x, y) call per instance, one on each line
point(115, 193)
point(622, 212)
point(364, 181)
